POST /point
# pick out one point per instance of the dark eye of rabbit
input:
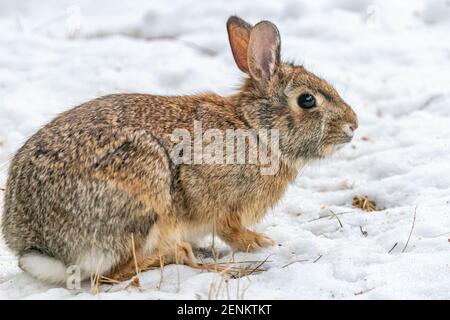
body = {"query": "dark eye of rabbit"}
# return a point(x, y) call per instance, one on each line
point(306, 101)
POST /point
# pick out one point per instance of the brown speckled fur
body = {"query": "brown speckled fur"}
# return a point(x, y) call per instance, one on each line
point(101, 171)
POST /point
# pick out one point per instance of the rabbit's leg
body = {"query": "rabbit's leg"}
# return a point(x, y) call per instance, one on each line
point(231, 230)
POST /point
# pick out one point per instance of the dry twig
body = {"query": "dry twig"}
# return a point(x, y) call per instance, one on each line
point(393, 247)
point(362, 292)
point(335, 215)
point(412, 228)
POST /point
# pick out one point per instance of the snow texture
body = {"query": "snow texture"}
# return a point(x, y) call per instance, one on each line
point(389, 60)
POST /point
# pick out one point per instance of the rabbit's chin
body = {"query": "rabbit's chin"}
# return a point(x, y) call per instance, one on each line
point(332, 148)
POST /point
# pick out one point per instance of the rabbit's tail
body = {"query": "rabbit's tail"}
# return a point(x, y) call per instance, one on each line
point(43, 267)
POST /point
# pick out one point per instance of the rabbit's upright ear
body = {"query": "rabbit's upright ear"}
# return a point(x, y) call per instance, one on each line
point(239, 35)
point(264, 51)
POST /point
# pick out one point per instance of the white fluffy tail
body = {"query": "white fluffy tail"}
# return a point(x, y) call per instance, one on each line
point(48, 269)
point(43, 267)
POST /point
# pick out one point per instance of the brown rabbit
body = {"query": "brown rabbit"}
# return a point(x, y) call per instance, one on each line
point(101, 177)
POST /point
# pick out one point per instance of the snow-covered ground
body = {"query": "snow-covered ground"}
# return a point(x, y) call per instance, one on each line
point(389, 60)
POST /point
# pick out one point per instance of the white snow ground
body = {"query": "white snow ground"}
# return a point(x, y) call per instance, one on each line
point(389, 60)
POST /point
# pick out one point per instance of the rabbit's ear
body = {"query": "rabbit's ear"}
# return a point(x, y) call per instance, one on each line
point(264, 51)
point(239, 35)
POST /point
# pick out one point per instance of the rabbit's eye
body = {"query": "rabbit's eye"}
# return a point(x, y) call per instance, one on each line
point(306, 101)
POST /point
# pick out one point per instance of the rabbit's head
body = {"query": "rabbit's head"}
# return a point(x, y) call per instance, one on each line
point(311, 117)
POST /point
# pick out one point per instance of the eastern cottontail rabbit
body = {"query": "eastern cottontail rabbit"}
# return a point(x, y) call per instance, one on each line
point(100, 178)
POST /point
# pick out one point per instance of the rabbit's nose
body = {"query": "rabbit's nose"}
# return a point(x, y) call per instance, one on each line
point(349, 129)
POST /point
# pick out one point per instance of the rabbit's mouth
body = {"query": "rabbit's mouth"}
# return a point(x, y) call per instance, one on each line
point(343, 141)
point(346, 140)
point(336, 145)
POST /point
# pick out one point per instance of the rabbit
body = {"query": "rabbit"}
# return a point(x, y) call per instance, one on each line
point(98, 188)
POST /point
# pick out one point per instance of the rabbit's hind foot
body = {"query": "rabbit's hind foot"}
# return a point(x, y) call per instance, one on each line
point(180, 254)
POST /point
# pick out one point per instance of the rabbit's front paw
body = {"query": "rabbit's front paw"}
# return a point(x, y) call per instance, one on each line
point(248, 241)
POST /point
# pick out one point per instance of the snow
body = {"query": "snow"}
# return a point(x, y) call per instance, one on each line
point(389, 60)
